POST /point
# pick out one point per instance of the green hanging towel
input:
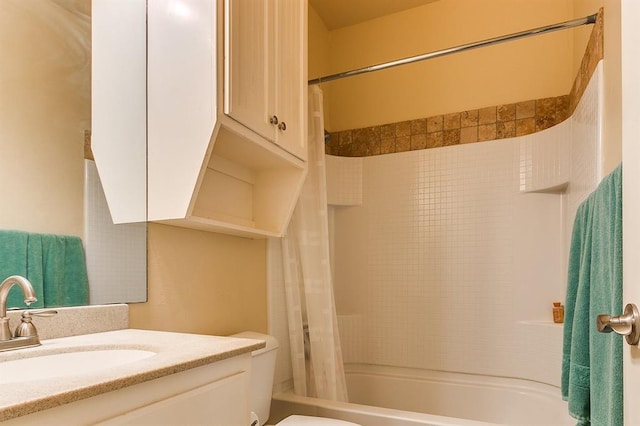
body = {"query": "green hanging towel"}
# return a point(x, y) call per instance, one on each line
point(65, 271)
point(592, 361)
point(21, 254)
point(54, 264)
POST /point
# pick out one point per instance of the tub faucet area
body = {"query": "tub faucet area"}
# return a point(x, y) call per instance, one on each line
point(7, 340)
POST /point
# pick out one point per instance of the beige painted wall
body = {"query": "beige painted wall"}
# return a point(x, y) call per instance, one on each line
point(319, 54)
point(203, 282)
point(44, 109)
point(319, 38)
point(526, 69)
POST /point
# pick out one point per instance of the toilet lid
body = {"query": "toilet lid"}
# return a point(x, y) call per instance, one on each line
point(313, 421)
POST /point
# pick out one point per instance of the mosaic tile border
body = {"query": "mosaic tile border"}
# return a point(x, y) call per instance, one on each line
point(477, 125)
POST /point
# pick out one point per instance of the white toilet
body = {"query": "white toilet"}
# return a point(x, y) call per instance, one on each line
point(263, 364)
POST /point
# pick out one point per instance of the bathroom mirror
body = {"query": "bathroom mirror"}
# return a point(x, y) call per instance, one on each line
point(46, 184)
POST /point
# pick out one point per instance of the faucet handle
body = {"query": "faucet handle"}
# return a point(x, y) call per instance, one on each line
point(26, 327)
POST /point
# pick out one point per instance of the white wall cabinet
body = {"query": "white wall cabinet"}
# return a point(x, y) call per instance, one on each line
point(234, 173)
point(264, 73)
point(118, 105)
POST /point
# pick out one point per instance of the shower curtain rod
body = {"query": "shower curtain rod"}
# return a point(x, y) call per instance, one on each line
point(591, 19)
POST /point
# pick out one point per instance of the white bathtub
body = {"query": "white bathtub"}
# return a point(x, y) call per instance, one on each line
point(389, 396)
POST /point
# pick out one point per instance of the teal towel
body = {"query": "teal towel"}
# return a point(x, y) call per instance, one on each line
point(21, 254)
point(65, 271)
point(55, 265)
point(592, 361)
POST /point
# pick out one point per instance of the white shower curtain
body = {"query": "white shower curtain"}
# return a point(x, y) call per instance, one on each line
point(307, 277)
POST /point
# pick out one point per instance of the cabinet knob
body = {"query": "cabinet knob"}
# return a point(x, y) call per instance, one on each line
point(273, 119)
point(282, 126)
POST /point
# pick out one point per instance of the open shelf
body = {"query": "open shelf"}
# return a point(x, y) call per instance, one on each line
point(248, 187)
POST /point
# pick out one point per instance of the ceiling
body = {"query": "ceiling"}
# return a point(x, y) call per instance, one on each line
point(342, 13)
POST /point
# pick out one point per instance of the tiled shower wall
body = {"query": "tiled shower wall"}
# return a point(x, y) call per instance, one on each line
point(456, 254)
point(449, 258)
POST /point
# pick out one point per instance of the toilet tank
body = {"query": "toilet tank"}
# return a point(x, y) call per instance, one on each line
point(263, 365)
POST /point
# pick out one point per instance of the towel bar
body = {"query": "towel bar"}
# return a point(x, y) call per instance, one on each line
point(627, 324)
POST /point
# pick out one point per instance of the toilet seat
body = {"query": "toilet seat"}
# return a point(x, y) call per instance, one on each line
point(313, 421)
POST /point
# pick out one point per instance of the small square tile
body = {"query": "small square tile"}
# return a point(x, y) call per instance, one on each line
point(373, 132)
point(452, 121)
point(403, 128)
point(419, 126)
point(403, 143)
point(487, 115)
point(526, 109)
point(546, 107)
point(434, 139)
point(435, 124)
point(525, 126)
point(360, 136)
point(505, 129)
point(373, 147)
point(469, 134)
point(364, 149)
point(544, 122)
point(506, 112)
point(343, 138)
point(359, 150)
point(562, 108)
point(387, 146)
point(487, 132)
point(336, 150)
point(328, 150)
point(388, 131)
point(576, 92)
point(347, 150)
point(469, 118)
point(418, 141)
point(451, 137)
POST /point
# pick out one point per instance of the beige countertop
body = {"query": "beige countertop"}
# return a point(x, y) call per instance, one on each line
point(174, 352)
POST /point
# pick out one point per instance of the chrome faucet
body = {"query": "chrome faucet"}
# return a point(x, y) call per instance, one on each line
point(7, 341)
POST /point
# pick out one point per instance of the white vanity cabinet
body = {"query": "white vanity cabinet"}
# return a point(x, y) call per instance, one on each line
point(213, 160)
point(216, 394)
point(265, 70)
point(222, 402)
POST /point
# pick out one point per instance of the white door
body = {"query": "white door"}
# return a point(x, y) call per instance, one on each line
point(630, 16)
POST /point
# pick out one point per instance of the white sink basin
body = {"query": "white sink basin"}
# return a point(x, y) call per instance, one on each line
point(67, 364)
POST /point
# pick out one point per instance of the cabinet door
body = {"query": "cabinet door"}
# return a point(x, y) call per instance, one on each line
point(118, 103)
point(291, 75)
point(181, 93)
point(248, 71)
point(221, 403)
